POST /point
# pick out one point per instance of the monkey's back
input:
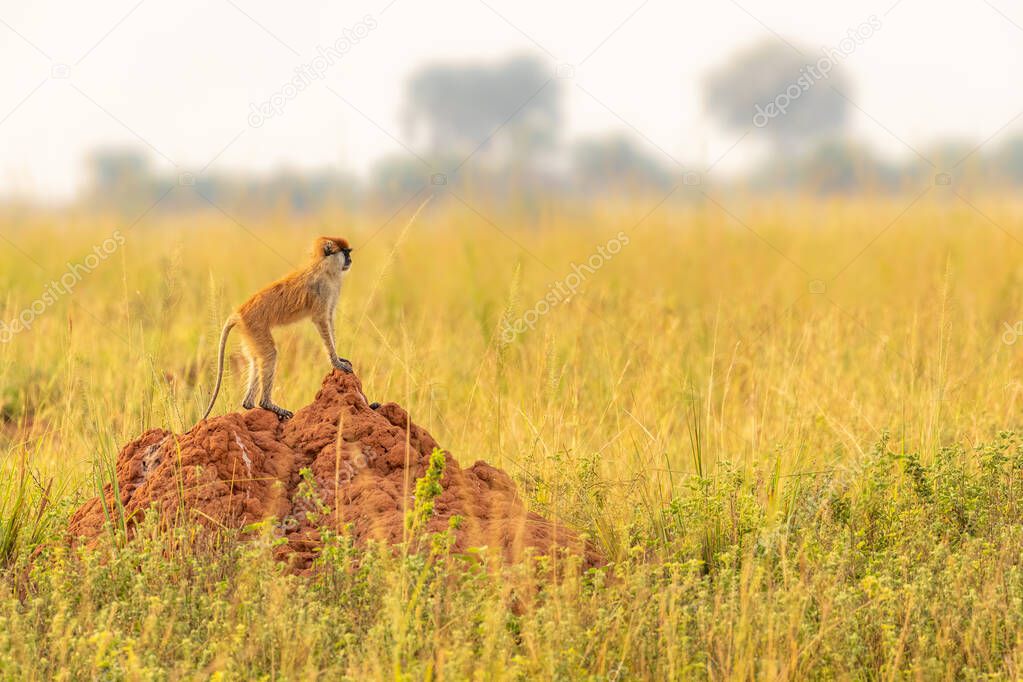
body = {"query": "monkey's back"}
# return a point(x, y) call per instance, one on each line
point(284, 301)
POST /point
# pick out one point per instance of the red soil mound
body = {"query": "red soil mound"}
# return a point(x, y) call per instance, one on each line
point(244, 467)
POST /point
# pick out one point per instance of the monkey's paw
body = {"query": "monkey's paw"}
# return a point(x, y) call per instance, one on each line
point(343, 365)
point(281, 413)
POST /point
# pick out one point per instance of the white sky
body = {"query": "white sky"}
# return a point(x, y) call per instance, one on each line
point(182, 75)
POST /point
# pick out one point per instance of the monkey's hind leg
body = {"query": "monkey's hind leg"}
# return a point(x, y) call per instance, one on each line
point(267, 354)
point(253, 380)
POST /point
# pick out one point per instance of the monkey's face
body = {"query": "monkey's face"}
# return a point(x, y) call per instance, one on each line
point(337, 247)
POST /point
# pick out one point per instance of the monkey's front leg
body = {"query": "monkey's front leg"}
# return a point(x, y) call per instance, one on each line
point(325, 325)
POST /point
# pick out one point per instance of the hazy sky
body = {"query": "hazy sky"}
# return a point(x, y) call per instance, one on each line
point(181, 77)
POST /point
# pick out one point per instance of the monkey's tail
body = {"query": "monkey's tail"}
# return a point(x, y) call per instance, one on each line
point(228, 326)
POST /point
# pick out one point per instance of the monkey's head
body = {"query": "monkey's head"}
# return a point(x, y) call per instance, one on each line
point(329, 247)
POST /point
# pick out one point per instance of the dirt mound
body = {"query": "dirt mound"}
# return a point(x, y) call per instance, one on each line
point(245, 467)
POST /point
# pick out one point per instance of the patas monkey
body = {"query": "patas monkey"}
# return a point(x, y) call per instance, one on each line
point(312, 292)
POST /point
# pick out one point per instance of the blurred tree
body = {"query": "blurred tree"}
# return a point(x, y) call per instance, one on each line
point(615, 163)
point(122, 178)
point(113, 168)
point(835, 166)
point(1007, 162)
point(831, 167)
point(770, 87)
point(394, 178)
point(511, 110)
point(949, 160)
point(296, 192)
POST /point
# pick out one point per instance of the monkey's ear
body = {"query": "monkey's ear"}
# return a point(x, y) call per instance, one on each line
point(327, 250)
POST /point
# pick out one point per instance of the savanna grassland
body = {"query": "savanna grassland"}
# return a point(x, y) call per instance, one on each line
point(793, 428)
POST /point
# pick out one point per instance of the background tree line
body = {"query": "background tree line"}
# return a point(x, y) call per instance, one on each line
point(499, 128)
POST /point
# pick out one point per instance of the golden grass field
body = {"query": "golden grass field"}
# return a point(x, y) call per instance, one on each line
point(790, 425)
